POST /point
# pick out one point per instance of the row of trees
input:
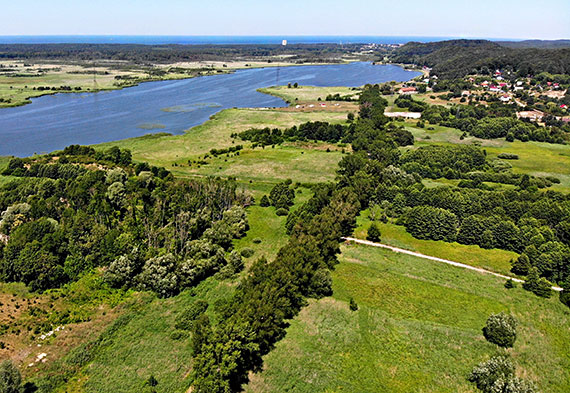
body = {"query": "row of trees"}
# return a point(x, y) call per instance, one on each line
point(255, 318)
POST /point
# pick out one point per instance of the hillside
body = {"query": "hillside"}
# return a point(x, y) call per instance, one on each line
point(457, 58)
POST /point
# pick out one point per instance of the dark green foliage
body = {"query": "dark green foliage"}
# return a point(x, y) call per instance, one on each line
point(352, 305)
point(426, 222)
point(264, 202)
point(321, 284)
point(282, 195)
point(538, 285)
point(508, 156)
point(501, 329)
point(281, 212)
point(185, 320)
point(64, 224)
point(10, 378)
point(151, 381)
point(436, 161)
point(373, 233)
point(521, 265)
point(510, 284)
point(247, 252)
point(315, 131)
point(457, 58)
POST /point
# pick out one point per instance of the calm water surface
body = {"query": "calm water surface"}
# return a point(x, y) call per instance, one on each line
point(53, 122)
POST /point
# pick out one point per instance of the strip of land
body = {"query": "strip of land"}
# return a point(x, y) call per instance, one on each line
point(453, 263)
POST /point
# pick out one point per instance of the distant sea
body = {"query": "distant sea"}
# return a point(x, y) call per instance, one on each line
point(216, 40)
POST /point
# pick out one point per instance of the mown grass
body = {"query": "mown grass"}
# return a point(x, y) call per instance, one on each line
point(495, 260)
point(418, 329)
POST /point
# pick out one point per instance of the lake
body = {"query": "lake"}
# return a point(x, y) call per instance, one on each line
point(53, 122)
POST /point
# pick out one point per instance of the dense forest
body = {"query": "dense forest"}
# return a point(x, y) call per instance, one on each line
point(457, 58)
point(138, 53)
point(80, 209)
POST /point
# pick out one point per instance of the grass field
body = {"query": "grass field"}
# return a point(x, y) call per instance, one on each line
point(395, 235)
point(418, 329)
point(310, 163)
point(535, 158)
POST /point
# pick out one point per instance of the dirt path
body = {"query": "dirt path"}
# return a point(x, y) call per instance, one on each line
point(417, 254)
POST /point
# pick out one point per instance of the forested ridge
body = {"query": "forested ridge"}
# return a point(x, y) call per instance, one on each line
point(457, 58)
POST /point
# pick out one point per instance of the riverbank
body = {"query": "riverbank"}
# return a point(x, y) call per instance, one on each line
point(20, 81)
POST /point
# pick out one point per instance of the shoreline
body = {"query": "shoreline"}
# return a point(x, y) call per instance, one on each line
point(217, 72)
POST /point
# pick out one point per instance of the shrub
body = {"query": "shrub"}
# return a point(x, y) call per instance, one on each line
point(521, 265)
point(281, 212)
point(537, 285)
point(373, 233)
point(247, 252)
point(158, 274)
point(508, 156)
point(264, 202)
point(486, 374)
point(501, 329)
point(235, 263)
point(10, 377)
point(185, 320)
point(256, 240)
point(509, 284)
point(352, 305)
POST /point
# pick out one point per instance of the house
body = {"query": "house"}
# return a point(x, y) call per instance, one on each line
point(466, 93)
point(519, 83)
point(563, 106)
point(494, 88)
point(519, 88)
point(497, 73)
point(407, 90)
point(502, 84)
point(505, 98)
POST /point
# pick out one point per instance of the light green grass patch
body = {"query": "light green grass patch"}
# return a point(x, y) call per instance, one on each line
point(395, 235)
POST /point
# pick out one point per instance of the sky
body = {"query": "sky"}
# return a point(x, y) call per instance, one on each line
point(517, 19)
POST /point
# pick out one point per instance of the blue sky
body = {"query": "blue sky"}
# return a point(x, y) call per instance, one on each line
point(542, 19)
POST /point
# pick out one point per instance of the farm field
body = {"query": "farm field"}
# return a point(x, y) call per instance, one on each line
point(418, 328)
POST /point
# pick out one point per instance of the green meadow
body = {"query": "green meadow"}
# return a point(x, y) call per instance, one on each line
point(417, 329)
point(535, 158)
point(308, 162)
point(396, 235)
